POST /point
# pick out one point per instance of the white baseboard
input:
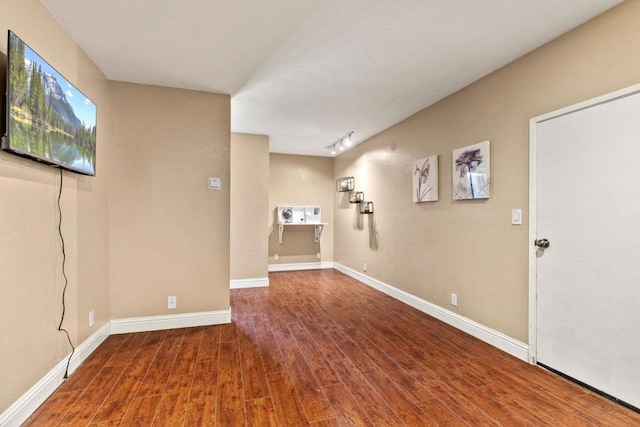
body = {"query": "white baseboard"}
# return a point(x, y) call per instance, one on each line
point(171, 321)
point(300, 266)
point(262, 282)
point(497, 339)
point(22, 408)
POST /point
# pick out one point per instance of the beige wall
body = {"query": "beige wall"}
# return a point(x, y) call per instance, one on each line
point(300, 181)
point(249, 204)
point(168, 233)
point(30, 251)
point(469, 247)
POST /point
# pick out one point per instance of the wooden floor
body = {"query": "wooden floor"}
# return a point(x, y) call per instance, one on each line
point(318, 348)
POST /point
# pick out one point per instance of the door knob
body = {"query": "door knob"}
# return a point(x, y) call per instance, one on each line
point(541, 243)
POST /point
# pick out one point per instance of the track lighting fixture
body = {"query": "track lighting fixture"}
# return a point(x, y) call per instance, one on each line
point(341, 144)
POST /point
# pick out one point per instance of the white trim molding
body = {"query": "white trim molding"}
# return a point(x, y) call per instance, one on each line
point(22, 408)
point(300, 266)
point(261, 282)
point(497, 339)
point(171, 321)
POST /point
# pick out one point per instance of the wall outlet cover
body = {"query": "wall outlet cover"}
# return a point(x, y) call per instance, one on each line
point(454, 300)
point(172, 302)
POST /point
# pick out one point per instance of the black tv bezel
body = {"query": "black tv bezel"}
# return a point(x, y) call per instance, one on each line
point(6, 138)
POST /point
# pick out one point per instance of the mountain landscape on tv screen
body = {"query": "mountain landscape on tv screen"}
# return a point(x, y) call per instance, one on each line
point(49, 118)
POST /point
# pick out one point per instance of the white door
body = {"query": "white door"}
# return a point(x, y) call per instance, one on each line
point(586, 203)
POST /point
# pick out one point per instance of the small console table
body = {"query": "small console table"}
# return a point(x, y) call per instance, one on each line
point(299, 215)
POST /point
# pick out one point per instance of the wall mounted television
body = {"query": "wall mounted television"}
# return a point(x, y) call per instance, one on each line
point(47, 118)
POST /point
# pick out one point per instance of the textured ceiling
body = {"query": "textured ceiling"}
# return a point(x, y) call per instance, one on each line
point(305, 72)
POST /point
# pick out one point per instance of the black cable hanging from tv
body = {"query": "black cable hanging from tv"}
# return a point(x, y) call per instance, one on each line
point(66, 281)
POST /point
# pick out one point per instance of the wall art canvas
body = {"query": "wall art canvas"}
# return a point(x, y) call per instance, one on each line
point(471, 172)
point(425, 179)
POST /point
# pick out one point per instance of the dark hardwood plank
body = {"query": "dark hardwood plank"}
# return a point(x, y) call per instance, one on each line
point(84, 409)
point(157, 373)
point(346, 406)
point(271, 355)
point(320, 367)
point(331, 422)
point(141, 412)
point(129, 349)
point(230, 411)
point(254, 376)
point(54, 409)
point(288, 407)
point(187, 356)
point(365, 395)
point(260, 413)
point(174, 402)
point(316, 404)
point(439, 413)
point(201, 410)
point(402, 405)
point(116, 403)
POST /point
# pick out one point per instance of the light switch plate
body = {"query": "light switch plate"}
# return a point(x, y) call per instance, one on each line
point(516, 216)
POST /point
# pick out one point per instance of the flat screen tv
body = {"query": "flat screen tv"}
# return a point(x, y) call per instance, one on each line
point(48, 118)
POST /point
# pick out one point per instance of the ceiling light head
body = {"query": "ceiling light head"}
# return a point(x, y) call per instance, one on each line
point(340, 147)
point(347, 140)
point(333, 151)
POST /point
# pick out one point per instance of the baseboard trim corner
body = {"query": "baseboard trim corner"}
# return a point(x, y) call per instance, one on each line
point(261, 282)
point(170, 321)
point(22, 408)
point(497, 339)
point(297, 266)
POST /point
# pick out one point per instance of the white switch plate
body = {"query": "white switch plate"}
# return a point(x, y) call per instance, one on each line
point(454, 300)
point(172, 303)
point(516, 216)
point(214, 183)
point(92, 318)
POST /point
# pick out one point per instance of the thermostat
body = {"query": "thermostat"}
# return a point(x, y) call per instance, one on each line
point(214, 183)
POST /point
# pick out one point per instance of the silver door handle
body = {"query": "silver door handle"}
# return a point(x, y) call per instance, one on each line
point(541, 243)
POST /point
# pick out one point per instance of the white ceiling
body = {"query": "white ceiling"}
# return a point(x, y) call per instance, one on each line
point(305, 72)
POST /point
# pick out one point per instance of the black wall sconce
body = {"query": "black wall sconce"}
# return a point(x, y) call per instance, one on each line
point(366, 208)
point(356, 197)
point(344, 184)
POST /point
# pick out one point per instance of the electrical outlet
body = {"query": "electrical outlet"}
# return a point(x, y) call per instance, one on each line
point(275, 256)
point(92, 318)
point(364, 267)
point(318, 255)
point(454, 300)
point(172, 303)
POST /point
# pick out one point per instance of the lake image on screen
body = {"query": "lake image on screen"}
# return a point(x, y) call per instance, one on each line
point(50, 119)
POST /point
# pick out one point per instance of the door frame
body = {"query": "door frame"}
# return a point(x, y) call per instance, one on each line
point(533, 123)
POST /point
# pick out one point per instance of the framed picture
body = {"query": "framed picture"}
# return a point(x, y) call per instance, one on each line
point(425, 179)
point(472, 172)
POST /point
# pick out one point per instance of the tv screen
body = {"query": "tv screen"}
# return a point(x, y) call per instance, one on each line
point(48, 118)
